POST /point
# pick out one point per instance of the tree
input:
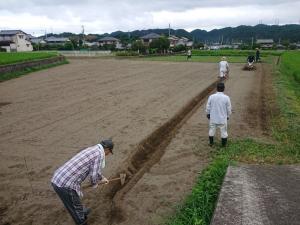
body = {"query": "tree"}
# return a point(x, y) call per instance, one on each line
point(138, 46)
point(161, 44)
point(68, 46)
point(80, 43)
point(179, 48)
point(286, 43)
point(198, 45)
point(74, 43)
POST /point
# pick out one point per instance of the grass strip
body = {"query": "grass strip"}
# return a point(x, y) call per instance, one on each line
point(8, 76)
point(199, 205)
point(17, 57)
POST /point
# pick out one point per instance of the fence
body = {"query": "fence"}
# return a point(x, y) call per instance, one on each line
point(85, 53)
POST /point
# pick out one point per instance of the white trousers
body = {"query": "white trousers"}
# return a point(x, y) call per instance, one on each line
point(213, 127)
point(223, 74)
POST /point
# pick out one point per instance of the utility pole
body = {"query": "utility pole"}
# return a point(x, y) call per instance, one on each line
point(169, 30)
point(252, 42)
point(82, 33)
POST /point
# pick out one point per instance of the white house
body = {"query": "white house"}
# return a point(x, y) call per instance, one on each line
point(37, 41)
point(175, 41)
point(15, 41)
point(265, 43)
point(56, 40)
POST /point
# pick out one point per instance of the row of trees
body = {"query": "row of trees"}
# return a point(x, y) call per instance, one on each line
point(160, 45)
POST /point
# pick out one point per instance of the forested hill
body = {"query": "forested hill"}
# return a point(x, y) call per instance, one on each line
point(241, 33)
point(246, 33)
point(290, 33)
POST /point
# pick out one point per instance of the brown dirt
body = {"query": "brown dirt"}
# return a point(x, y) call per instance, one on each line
point(55, 113)
point(154, 197)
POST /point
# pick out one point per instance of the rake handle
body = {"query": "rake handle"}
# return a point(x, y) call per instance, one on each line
point(117, 178)
point(89, 185)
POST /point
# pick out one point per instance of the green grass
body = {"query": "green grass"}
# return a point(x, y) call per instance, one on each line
point(231, 52)
point(183, 58)
point(287, 126)
point(16, 57)
point(199, 206)
point(214, 56)
point(8, 76)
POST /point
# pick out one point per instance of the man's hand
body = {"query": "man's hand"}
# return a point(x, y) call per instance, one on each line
point(95, 186)
point(208, 116)
point(104, 180)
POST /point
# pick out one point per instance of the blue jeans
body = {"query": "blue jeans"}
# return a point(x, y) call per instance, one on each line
point(72, 203)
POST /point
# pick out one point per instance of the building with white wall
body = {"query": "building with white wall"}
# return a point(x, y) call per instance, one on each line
point(15, 41)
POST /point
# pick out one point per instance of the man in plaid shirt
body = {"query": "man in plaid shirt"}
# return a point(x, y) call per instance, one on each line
point(67, 179)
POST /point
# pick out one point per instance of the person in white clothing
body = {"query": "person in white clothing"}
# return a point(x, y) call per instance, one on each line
point(218, 110)
point(224, 68)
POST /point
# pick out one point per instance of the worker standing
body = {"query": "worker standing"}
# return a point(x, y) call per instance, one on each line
point(67, 179)
point(218, 110)
point(189, 54)
point(257, 55)
point(224, 68)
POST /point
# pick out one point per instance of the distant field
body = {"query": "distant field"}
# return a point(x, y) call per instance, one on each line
point(15, 57)
point(182, 58)
point(213, 56)
point(231, 52)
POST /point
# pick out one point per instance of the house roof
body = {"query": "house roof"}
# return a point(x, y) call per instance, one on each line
point(37, 40)
point(56, 39)
point(30, 36)
point(264, 41)
point(11, 32)
point(108, 39)
point(172, 37)
point(151, 36)
point(5, 43)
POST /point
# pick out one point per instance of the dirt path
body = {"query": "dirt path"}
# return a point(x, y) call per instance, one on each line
point(46, 117)
point(155, 195)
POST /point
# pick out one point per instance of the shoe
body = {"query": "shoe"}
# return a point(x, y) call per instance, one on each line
point(86, 211)
point(211, 140)
point(224, 142)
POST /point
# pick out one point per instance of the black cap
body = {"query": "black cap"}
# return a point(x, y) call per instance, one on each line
point(220, 87)
point(108, 144)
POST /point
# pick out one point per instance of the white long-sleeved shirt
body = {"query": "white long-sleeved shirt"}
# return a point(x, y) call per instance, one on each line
point(224, 66)
point(219, 108)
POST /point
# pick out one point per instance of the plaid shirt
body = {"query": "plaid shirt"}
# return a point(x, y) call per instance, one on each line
point(89, 161)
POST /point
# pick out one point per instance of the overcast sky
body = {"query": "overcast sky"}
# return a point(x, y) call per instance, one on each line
point(99, 16)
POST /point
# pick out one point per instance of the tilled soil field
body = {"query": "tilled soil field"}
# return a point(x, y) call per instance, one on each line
point(152, 110)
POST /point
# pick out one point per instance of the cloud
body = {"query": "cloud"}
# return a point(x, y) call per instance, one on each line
point(99, 16)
